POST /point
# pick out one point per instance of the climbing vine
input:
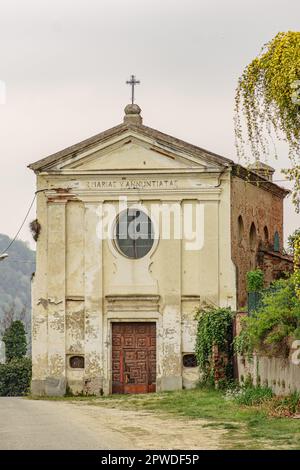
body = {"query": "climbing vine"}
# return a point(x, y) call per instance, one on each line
point(214, 343)
point(267, 102)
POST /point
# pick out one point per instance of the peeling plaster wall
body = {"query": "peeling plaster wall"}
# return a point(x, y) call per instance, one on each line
point(83, 284)
point(280, 374)
point(39, 301)
point(75, 327)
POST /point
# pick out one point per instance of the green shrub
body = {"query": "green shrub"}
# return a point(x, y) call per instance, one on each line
point(255, 280)
point(271, 328)
point(15, 377)
point(254, 395)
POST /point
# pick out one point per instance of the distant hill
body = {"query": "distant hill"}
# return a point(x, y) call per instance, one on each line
point(15, 280)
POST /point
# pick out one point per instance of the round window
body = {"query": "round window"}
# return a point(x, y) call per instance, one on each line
point(134, 233)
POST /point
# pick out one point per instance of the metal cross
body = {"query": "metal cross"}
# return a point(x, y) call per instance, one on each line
point(132, 82)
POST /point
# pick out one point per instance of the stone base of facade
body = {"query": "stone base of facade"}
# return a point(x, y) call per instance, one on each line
point(190, 377)
point(92, 386)
point(51, 386)
point(171, 382)
point(54, 386)
point(38, 388)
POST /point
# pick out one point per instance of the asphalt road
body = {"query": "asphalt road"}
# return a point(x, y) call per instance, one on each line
point(82, 425)
point(42, 425)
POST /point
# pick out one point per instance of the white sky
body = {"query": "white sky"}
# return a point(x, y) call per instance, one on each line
point(65, 63)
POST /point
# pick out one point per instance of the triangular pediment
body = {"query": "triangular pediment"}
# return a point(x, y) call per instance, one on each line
point(131, 154)
point(130, 148)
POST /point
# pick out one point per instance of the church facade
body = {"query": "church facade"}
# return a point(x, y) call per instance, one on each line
point(136, 230)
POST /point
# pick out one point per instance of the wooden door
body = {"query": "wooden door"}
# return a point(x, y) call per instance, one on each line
point(133, 357)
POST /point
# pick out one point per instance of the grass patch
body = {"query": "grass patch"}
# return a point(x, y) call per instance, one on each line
point(248, 427)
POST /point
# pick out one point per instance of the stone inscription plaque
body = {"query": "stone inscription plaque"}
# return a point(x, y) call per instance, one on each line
point(131, 184)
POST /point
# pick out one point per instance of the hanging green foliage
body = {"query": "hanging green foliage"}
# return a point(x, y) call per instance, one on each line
point(291, 241)
point(294, 250)
point(268, 95)
point(267, 101)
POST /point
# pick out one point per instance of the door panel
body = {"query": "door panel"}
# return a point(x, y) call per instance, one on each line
point(133, 357)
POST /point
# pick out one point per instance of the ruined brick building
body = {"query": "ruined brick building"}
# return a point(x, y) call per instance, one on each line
point(137, 228)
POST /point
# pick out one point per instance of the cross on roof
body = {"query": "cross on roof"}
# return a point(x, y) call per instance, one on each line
point(132, 82)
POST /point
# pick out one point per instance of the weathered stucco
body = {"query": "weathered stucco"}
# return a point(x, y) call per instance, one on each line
point(83, 284)
point(280, 374)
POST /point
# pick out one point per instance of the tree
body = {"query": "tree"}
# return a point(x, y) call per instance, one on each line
point(291, 241)
point(268, 99)
point(7, 317)
point(15, 341)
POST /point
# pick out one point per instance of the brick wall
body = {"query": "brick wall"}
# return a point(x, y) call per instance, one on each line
point(274, 264)
point(259, 206)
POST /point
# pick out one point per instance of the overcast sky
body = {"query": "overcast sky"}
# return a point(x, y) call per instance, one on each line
point(65, 63)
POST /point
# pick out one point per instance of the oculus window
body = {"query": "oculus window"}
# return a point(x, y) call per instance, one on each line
point(134, 233)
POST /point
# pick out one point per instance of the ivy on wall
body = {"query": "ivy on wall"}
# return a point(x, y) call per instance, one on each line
point(214, 343)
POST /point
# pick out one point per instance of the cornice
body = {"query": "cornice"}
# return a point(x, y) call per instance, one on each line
point(253, 178)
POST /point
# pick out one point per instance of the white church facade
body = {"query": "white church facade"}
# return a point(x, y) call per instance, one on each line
point(136, 229)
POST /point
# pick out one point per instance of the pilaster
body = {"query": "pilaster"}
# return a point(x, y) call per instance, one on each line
point(56, 268)
point(93, 287)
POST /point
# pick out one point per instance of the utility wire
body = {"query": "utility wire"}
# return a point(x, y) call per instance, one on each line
point(22, 224)
point(32, 202)
point(19, 261)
